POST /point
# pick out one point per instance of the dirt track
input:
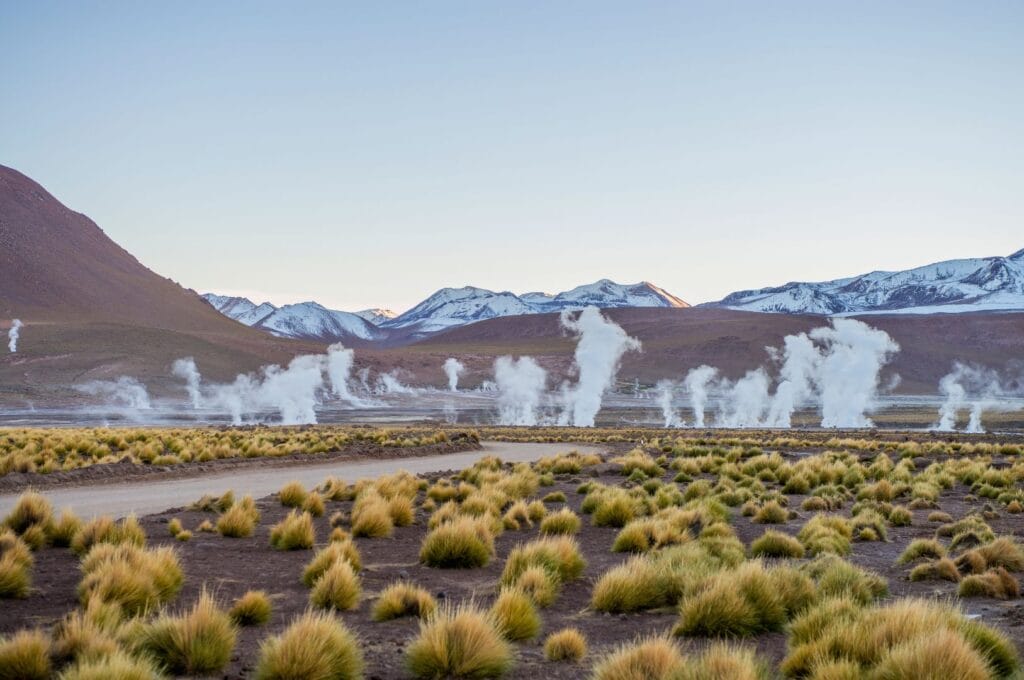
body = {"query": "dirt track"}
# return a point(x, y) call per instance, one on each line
point(150, 496)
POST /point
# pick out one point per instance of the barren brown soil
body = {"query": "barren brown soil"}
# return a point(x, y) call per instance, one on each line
point(232, 566)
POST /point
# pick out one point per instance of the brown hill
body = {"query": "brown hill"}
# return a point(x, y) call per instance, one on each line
point(93, 311)
point(676, 340)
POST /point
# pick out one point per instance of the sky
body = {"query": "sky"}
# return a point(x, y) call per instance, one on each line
point(367, 154)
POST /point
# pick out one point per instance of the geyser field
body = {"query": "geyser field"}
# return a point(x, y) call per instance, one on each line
point(611, 553)
point(321, 520)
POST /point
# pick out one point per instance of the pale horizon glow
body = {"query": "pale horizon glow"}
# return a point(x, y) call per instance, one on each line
point(366, 155)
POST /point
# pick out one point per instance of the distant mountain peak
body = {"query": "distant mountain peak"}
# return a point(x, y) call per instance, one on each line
point(446, 308)
point(971, 284)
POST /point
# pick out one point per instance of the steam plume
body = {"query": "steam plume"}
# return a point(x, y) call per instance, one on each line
point(339, 371)
point(969, 386)
point(126, 392)
point(600, 346)
point(800, 363)
point(521, 384)
point(848, 375)
point(453, 368)
point(746, 400)
point(12, 335)
point(187, 371)
point(696, 384)
point(668, 411)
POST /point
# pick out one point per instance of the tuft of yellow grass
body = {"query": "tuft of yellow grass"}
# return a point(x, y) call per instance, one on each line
point(567, 644)
point(338, 588)
point(25, 656)
point(251, 609)
point(516, 615)
point(461, 642)
point(315, 645)
point(294, 532)
point(655, 658)
point(403, 599)
point(464, 543)
point(197, 642)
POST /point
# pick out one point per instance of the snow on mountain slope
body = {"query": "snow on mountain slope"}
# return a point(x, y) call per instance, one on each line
point(240, 308)
point(608, 294)
point(307, 320)
point(977, 284)
point(376, 316)
point(447, 308)
point(311, 320)
point(451, 307)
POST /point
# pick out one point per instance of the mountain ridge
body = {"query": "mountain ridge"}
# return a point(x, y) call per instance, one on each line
point(960, 285)
point(444, 309)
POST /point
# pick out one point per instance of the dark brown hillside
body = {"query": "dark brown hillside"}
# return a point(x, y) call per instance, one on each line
point(92, 310)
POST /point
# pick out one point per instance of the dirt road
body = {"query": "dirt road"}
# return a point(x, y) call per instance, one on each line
point(146, 497)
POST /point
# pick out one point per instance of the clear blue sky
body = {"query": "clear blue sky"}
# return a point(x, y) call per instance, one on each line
point(368, 153)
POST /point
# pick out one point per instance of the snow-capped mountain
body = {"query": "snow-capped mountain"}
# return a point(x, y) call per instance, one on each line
point(308, 320)
point(313, 321)
point(240, 308)
point(967, 285)
point(376, 316)
point(605, 294)
point(447, 308)
point(450, 307)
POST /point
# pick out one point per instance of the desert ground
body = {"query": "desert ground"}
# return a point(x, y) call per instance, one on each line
point(710, 554)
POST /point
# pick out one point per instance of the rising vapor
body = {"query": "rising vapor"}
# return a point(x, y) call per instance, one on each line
point(12, 335)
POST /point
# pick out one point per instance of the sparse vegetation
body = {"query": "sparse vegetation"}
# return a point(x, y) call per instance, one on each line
point(459, 642)
point(315, 645)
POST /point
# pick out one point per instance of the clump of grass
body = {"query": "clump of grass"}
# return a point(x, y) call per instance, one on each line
point(836, 577)
point(251, 609)
point(655, 658)
point(132, 578)
point(745, 601)
point(115, 664)
point(776, 544)
point(565, 521)
point(403, 599)
point(174, 527)
point(615, 508)
point(539, 584)
point(464, 543)
point(921, 548)
point(85, 634)
point(184, 535)
point(210, 503)
point(371, 516)
point(63, 531)
point(461, 642)
point(723, 661)
point(292, 494)
point(516, 516)
point(567, 644)
point(943, 569)
point(904, 639)
point(554, 497)
point(826, 534)
point(206, 527)
point(401, 510)
point(1000, 552)
point(558, 555)
point(516, 615)
point(239, 521)
point(199, 641)
point(294, 532)
point(314, 504)
point(940, 517)
point(648, 533)
point(105, 530)
point(336, 551)
point(315, 645)
point(997, 583)
point(31, 510)
point(771, 513)
point(338, 588)
point(25, 656)
point(15, 566)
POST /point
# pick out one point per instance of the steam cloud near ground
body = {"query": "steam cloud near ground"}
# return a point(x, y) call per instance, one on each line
point(12, 335)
